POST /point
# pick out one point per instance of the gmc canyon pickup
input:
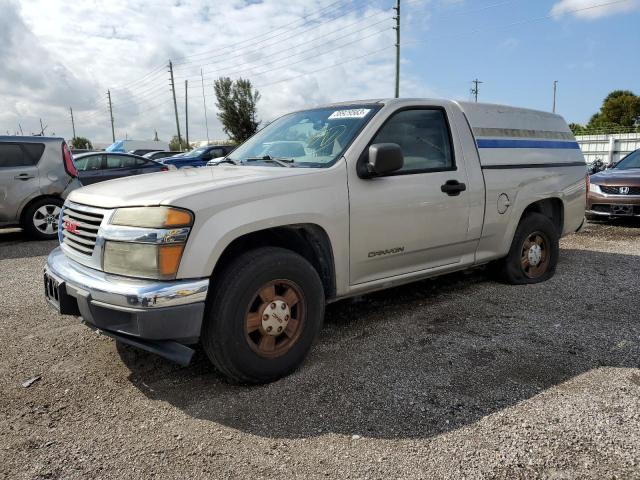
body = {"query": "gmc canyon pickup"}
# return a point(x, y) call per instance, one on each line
point(320, 205)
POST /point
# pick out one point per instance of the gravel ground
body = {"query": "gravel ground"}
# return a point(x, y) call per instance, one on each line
point(457, 377)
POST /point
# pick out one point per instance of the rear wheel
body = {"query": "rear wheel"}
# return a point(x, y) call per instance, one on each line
point(262, 318)
point(534, 251)
point(40, 219)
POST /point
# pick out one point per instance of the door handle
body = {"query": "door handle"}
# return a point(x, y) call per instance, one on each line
point(453, 188)
point(24, 176)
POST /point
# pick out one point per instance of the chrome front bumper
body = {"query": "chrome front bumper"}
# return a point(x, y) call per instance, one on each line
point(134, 310)
point(118, 291)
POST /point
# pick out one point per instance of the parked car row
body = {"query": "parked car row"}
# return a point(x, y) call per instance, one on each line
point(36, 173)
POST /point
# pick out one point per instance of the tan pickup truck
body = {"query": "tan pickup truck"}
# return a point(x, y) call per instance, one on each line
point(320, 205)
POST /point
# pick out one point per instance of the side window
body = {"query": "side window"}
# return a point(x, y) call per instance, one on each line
point(217, 152)
point(120, 161)
point(89, 164)
point(34, 151)
point(140, 162)
point(11, 155)
point(423, 136)
point(81, 164)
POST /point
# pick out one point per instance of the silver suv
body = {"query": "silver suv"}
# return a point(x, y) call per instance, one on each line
point(36, 174)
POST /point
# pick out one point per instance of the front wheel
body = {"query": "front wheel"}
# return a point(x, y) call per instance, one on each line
point(534, 251)
point(262, 318)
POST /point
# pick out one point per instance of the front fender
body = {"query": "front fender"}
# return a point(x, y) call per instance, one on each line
point(320, 199)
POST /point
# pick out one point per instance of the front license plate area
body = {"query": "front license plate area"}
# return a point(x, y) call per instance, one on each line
point(56, 294)
point(621, 209)
point(52, 291)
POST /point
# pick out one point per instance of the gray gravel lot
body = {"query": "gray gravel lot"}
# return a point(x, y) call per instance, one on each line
point(457, 377)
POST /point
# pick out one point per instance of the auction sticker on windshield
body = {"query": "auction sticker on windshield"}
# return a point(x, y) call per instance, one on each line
point(350, 113)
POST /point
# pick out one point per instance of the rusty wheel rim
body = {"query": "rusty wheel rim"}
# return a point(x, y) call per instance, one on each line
point(275, 318)
point(534, 258)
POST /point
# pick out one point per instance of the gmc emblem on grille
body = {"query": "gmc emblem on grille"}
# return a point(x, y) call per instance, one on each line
point(70, 226)
point(623, 190)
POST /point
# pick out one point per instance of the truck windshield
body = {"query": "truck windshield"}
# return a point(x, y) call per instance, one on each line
point(310, 138)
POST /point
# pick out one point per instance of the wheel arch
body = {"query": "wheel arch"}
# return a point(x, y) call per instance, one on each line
point(309, 240)
point(31, 201)
point(552, 208)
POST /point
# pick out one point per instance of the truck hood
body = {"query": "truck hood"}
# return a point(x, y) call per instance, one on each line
point(167, 188)
point(613, 176)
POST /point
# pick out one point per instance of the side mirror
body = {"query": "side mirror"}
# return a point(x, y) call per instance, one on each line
point(384, 158)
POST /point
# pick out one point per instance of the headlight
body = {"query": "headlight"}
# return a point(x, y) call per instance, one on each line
point(153, 249)
point(143, 260)
point(594, 188)
point(152, 217)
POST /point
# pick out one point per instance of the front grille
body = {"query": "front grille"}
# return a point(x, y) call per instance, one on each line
point(616, 190)
point(80, 229)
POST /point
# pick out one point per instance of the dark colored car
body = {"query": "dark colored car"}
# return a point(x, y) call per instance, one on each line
point(198, 157)
point(101, 166)
point(157, 155)
point(615, 192)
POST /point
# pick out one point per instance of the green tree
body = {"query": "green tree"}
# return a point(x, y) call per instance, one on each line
point(621, 108)
point(236, 102)
point(177, 146)
point(81, 143)
point(576, 128)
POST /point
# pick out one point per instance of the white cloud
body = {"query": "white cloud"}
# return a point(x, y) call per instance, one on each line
point(581, 8)
point(58, 54)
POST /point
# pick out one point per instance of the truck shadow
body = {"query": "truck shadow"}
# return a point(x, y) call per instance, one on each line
point(420, 360)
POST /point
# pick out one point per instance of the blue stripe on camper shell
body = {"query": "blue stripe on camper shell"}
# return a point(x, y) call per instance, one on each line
point(495, 143)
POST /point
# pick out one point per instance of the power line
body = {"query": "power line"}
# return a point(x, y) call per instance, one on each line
point(304, 59)
point(324, 68)
point(260, 46)
point(325, 10)
point(262, 57)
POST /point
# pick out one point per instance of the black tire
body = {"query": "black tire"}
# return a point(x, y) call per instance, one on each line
point(36, 212)
point(224, 333)
point(511, 270)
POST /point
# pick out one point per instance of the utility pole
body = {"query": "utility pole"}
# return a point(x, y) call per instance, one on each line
point(555, 89)
point(113, 131)
point(175, 104)
point(41, 129)
point(204, 104)
point(397, 29)
point(73, 125)
point(186, 110)
point(474, 90)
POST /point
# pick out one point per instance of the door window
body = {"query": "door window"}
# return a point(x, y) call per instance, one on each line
point(11, 155)
point(120, 161)
point(91, 163)
point(423, 136)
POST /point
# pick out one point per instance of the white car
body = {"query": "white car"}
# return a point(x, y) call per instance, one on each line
point(320, 205)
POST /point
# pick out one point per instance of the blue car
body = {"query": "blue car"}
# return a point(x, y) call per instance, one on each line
point(198, 157)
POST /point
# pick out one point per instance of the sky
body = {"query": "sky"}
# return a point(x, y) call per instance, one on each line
point(57, 55)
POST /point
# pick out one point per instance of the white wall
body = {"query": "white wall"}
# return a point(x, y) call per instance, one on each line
point(608, 148)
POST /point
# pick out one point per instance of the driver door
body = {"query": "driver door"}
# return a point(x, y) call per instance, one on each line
point(403, 222)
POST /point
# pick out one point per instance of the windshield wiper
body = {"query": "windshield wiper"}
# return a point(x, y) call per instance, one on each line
point(283, 162)
point(226, 160)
